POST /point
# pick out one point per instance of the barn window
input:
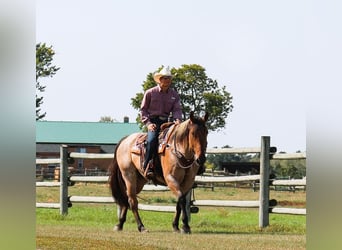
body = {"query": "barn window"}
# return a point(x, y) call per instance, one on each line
point(80, 161)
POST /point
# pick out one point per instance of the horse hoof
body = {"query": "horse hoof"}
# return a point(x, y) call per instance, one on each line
point(186, 231)
point(175, 230)
point(117, 228)
point(143, 230)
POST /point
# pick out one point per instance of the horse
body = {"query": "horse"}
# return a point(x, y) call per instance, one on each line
point(181, 156)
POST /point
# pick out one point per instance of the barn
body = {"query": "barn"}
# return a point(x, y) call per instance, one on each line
point(82, 137)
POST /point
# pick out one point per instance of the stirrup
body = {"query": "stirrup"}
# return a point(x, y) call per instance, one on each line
point(149, 174)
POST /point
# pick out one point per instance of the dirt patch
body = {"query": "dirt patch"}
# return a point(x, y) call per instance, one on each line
point(297, 204)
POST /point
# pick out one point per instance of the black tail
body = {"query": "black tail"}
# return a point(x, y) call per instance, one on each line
point(116, 182)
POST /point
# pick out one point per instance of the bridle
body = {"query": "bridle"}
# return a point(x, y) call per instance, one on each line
point(183, 162)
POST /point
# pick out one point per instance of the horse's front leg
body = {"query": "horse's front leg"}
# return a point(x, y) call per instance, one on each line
point(181, 209)
point(175, 223)
point(175, 188)
point(185, 218)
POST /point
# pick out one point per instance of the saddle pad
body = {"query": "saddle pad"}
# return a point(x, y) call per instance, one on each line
point(139, 144)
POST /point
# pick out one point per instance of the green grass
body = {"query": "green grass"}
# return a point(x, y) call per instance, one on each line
point(208, 220)
point(89, 226)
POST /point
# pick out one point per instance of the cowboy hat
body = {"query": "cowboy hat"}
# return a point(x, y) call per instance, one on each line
point(163, 72)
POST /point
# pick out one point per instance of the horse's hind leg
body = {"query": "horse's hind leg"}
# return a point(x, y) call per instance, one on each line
point(134, 206)
point(122, 213)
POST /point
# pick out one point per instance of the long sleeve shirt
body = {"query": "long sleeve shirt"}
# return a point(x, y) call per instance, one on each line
point(158, 103)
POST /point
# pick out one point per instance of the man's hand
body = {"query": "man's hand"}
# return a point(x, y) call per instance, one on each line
point(151, 127)
point(177, 121)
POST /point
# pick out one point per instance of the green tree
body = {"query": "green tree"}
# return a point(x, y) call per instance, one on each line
point(217, 159)
point(44, 68)
point(106, 119)
point(293, 168)
point(198, 93)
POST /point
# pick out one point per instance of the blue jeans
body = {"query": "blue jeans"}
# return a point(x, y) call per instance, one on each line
point(152, 142)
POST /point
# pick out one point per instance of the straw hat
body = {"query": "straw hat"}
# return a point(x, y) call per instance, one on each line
point(165, 71)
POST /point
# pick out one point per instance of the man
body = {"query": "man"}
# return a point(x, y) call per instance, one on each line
point(157, 105)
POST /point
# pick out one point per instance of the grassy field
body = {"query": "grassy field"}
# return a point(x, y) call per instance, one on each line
point(89, 226)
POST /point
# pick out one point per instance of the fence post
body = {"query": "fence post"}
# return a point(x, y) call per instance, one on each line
point(63, 175)
point(264, 182)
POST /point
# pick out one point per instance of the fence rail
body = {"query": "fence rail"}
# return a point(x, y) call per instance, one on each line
point(264, 204)
point(297, 182)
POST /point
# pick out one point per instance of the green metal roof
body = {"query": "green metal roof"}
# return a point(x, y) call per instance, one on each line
point(83, 132)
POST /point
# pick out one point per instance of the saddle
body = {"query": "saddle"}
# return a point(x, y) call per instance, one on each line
point(139, 146)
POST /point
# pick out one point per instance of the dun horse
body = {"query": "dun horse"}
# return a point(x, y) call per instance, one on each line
point(181, 155)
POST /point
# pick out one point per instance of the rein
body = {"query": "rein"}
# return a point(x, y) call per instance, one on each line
point(182, 160)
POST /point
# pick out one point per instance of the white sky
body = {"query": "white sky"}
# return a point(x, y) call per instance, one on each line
point(260, 50)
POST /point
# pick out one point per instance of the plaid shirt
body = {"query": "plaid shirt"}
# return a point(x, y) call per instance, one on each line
point(158, 103)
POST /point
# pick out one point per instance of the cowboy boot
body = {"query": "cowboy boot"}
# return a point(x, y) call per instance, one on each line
point(148, 171)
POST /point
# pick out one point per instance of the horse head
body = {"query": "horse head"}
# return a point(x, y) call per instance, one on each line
point(198, 133)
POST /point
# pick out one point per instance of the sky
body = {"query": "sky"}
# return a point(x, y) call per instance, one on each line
point(262, 51)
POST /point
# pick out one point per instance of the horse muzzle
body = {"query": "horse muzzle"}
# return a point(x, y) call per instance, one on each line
point(201, 160)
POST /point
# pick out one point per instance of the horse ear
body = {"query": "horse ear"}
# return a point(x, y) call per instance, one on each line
point(206, 116)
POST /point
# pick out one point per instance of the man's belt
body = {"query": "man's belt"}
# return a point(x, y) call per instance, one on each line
point(162, 118)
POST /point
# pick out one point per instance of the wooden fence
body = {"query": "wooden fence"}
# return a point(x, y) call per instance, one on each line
point(265, 205)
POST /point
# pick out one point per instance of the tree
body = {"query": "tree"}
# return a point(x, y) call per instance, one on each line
point(217, 159)
point(293, 168)
point(44, 57)
point(106, 119)
point(198, 93)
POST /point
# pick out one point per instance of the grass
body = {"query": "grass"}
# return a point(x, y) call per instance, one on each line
point(89, 226)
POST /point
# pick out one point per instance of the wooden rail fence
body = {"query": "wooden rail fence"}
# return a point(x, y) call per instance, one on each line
point(265, 205)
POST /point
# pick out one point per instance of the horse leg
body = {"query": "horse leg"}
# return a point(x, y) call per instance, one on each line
point(122, 213)
point(133, 202)
point(175, 188)
point(175, 223)
point(185, 219)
